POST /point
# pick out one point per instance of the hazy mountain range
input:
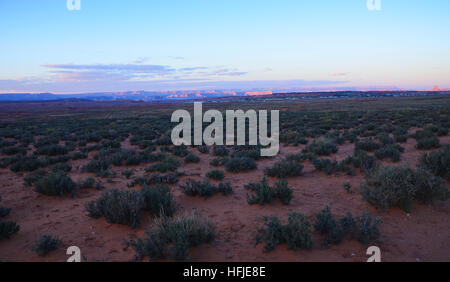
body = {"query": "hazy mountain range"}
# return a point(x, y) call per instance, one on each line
point(149, 96)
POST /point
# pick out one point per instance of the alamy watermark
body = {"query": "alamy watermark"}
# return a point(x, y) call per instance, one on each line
point(373, 5)
point(73, 5)
point(214, 133)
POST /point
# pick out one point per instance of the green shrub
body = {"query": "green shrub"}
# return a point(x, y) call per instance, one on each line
point(45, 244)
point(225, 188)
point(167, 164)
point(367, 145)
point(220, 151)
point(87, 183)
point(119, 207)
point(284, 169)
point(158, 200)
point(321, 147)
point(194, 188)
point(7, 229)
point(297, 233)
point(283, 191)
point(389, 187)
point(180, 151)
point(347, 187)
point(218, 162)
point(34, 176)
point(128, 173)
point(13, 151)
point(52, 150)
point(240, 164)
point(263, 193)
point(389, 151)
point(55, 184)
point(367, 228)
point(428, 143)
point(181, 232)
point(216, 174)
point(203, 149)
point(429, 187)
point(437, 162)
point(324, 221)
point(191, 158)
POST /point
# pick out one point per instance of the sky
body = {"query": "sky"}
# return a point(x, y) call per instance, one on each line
point(115, 45)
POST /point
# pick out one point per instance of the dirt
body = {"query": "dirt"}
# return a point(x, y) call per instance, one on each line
point(422, 235)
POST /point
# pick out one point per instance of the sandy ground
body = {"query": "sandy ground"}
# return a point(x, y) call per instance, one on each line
point(423, 235)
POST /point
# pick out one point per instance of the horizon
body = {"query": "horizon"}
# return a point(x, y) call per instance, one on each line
point(216, 45)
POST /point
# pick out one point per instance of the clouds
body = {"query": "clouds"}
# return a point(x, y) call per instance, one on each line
point(135, 71)
point(139, 75)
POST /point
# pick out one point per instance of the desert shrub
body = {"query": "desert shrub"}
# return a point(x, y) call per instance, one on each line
point(240, 164)
point(218, 162)
point(45, 244)
point(182, 232)
point(55, 184)
point(78, 156)
point(263, 193)
point(253, 152)
point(128, 173)
point(284, 169)
point(220, 151)
point(120, 207)
point(429, 187)
point(389, 151)
point(4, 211)
point(367, 228)
point(30, 163)
point(362, 160)
point(385, 139)
point(167, 164)
point(13, 150)
point(326, 165)
point(61, 167)
point(158, 200)
point(156, 157)
point(300, 157)
point(180, 151)
point(442, 131)
point(87, 183)
point(191, 158)
point(322, 147)
point(225, 188)
point(296, 233)
point(389, 187)
point(437, 162)
point(194, 188)
point(7, 229)
point(324, 221)
point(95, 166)
point(400, 138)
point(283, 191)
point(170, 178)
point(52, 150)
point(347, 187)
point(428, 143)
point(216, 174)
point(368, 145)
point(34, 176)
point(203, 149)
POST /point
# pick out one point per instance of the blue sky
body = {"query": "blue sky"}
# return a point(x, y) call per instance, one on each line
point(203, 44)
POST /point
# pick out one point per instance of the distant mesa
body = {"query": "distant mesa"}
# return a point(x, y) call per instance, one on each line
point(258, 93)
